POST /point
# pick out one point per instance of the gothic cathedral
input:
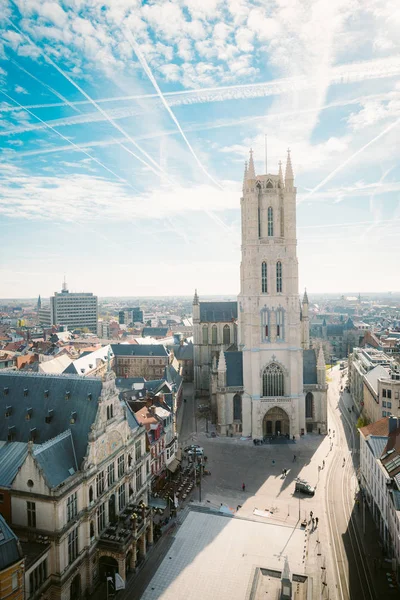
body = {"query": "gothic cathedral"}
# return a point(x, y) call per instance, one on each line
point(253, 357)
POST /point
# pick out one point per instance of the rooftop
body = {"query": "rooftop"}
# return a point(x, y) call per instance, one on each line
point(140, 350)
point(215, 312)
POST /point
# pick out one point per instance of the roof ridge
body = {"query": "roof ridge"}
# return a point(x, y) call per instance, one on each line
point(48, 443)
point(48, 375)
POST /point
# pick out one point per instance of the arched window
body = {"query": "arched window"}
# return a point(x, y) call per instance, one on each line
point(273, 380)
point(237, 407)
point(227, 335)
point(279, 276)
point(309, 405)
point(270, 221)
point(205, 334)
point(265, 325)
point(214, 335)
point(264, 278)
point(91, 529)
point(129, 460)
point(90, 494)
point(269, 184)
point(111, 411)
point(280, 323)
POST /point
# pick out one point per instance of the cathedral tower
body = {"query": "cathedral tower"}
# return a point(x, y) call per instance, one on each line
point(271, 335)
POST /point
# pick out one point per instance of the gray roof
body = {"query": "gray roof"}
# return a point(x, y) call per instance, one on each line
point(172, 376)
point(12, 456)
point(126, 383)
point(371, 378)
point(183, 352)
point(57, 459)
point(49, 392)
point(87, 361)
point(152, 331)
point(309, 367)
point(377, 444)
point(10, 551)
point(334, 330)
point(218, 312)
point(234, 369)
point(139, 350)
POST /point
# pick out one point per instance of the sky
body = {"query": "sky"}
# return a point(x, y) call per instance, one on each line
point(125, 124)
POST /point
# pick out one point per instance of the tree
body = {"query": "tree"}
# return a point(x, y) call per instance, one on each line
point(362, 421)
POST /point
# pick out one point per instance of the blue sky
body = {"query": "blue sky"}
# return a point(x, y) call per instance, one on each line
point(124, 126)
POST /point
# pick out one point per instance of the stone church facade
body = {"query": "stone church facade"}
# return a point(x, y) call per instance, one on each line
point(266, 380)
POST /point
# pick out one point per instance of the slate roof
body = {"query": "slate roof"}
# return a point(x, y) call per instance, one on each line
point(10, 551)
point(377, 444)
point(127, 383)
point(371, 378)
point(172, 376)
point(218, 312)
point(309, 367)
point(234, 369)
point(334, 330)
point(12, 456)
point(139, 350)
point(155, 331)
point(183, 352)
point(81, 365)
point(57, 459)
point(83, 398)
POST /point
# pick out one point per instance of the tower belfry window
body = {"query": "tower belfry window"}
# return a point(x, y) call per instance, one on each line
point(279, 276)
point(280, 325)
point(270, 221)
point(264, 278)
point(226, 332)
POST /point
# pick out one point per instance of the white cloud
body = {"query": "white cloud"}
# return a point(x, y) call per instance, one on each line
point(20, 90)
point(53, 12)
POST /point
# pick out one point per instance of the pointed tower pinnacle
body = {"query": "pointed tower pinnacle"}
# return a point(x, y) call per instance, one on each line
point(251, 174)
point(222, 362)
point(245, 175)
point(280, 174)
point(195, 297)
point(289, 171)
point(305, 297)
point(321, 358)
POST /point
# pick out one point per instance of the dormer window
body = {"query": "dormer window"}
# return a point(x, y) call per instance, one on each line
point(67, 395)
point(46, 393)
point(74, 417)
point(90, 365)
point(26, 391)
point(11, 433)
point(48, 418)
point(8, 411)
point(82, 370)
point(6, 390)
point(28, 414)
point(33, 434)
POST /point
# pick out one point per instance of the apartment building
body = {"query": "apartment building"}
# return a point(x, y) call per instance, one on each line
point(74, 310)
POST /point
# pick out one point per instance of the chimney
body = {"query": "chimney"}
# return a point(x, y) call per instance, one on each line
point(394, 423)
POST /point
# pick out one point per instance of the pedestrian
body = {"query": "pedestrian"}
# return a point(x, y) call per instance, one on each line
point(293, 438)
point(329, 431)
point(273, 462)
point(323, 464)
point(319, 468)
point(294, 458)
point(333, 433)
point(243, 487)
point(344, 461)
point(313, 521)
point(285, 472)
point(311, 514)
point(316, 521)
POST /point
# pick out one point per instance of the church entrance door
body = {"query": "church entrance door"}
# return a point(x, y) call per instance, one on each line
point(276, 421)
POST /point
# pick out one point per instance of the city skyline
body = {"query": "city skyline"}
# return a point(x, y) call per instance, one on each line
point(125, 128)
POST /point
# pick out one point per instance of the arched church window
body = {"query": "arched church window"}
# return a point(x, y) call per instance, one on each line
point(265, 325)
point(214, 335)
point(264, 278)
point(90, 495)
point(280, 324)
point(273, 380)
point(309, 405)
point(237, 407)
point(279, 276)
point(270, 221)
point(269, 184)
point(227, 334)
point(205, 334)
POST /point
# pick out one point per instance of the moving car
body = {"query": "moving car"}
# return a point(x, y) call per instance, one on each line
point(304, 487)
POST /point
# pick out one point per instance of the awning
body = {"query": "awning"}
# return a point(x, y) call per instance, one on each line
point(158, 503)
point(173, 465)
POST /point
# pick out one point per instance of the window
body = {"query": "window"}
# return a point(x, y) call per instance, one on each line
point(280, 324)
point(72, 545)
point(31, 510)
point(384, 413)
point(226, 335)
point(138, 479)
point(384, 403)
point(205, 334)
point(138, 450)
point(14, 580)
point(72, 506)
point(389, 405)
point(100, 483)
point(265, 325)
point(309, 405)
point(90, 494)
point(37, 577)
point(383, 393)
point(121, 497)
point(270, 222)
point(389, 393)
point(237, 407)
point(273, 380)
point(264, 278)
point(279, 276)
point(214, 335)
point(101, 517)
point(110, 474)
point(121, 465)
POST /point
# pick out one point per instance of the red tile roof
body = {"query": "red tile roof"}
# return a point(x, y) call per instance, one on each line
point(380, 427)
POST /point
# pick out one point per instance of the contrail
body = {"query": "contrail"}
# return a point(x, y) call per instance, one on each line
point(349, 73)
point(69, 141)
point(110, 120)
point(150, 75)
point(348, 160)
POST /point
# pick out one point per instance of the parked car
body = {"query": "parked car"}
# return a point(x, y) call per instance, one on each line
point(304, 487)
point(194, 449)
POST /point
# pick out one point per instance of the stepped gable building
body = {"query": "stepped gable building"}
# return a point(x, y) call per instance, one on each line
point(74, 478)
point(268, 381)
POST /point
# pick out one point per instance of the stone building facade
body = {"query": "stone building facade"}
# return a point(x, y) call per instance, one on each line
point(280, 388)
point(140, 360)
point(75, 467)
